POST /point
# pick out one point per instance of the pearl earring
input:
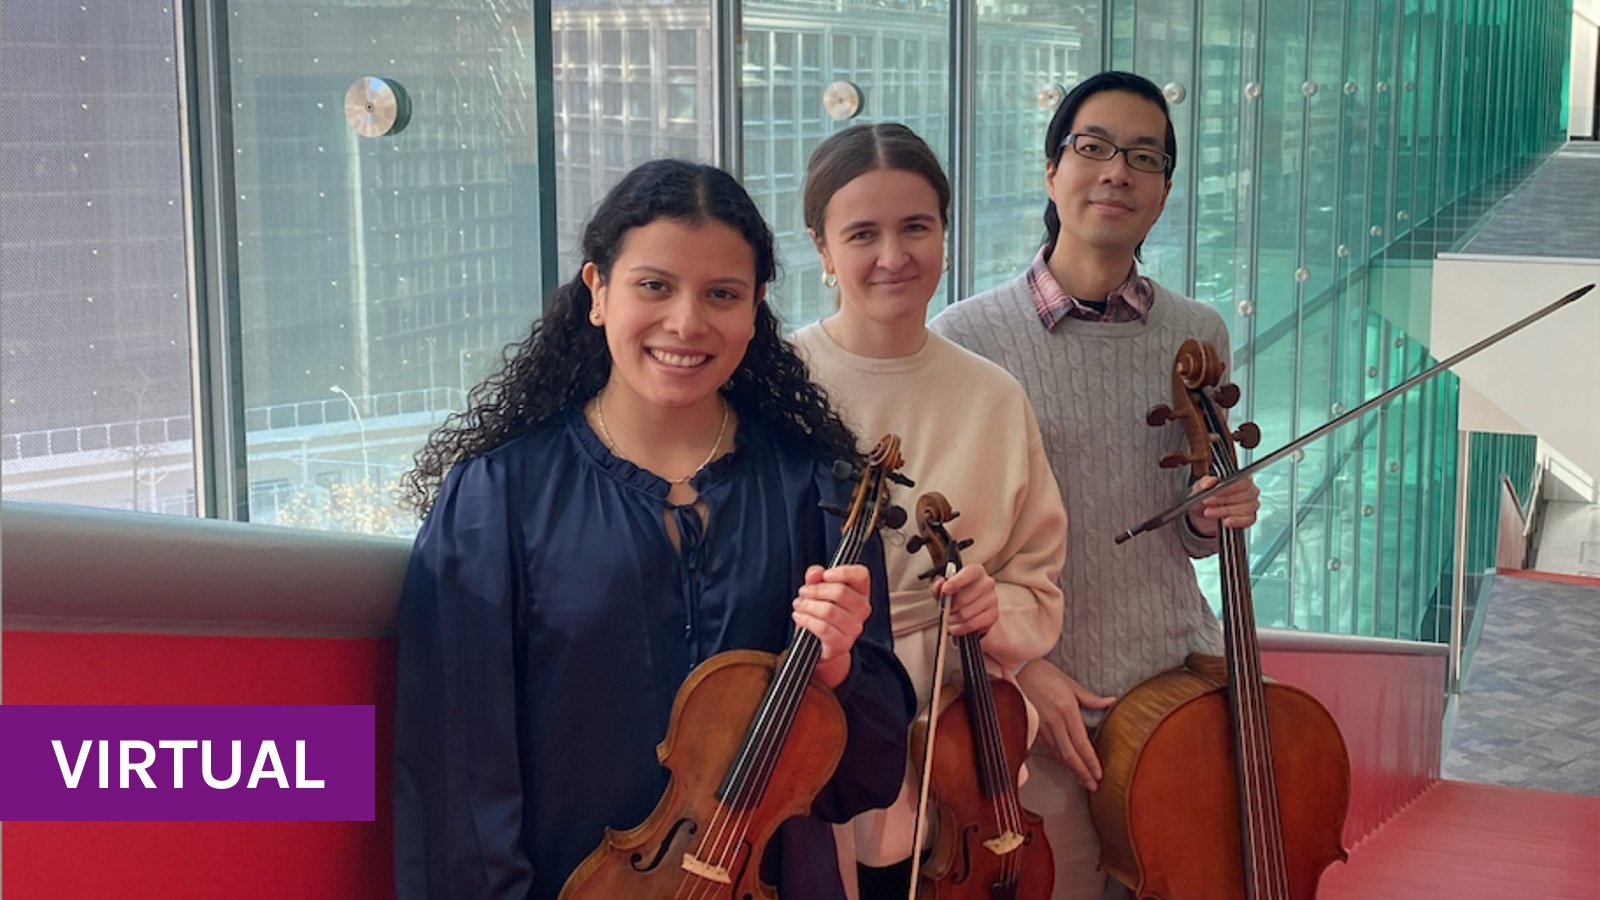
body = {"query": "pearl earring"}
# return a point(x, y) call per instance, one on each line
point(830, 280)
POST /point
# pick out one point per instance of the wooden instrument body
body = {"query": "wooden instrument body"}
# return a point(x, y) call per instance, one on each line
point(646, 862)
point(959, 866)
point(1167, 809)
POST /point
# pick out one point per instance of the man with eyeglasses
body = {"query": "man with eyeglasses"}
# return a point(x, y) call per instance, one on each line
point(1092, 341)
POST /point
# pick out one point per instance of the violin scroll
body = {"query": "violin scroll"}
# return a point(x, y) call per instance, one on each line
point(933, 511)
point(870, 508)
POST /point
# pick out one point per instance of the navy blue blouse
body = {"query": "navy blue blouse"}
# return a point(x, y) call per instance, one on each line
point(546, 624)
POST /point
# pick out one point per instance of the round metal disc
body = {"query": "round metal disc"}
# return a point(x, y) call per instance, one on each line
point(841, 100)
point(376, 107)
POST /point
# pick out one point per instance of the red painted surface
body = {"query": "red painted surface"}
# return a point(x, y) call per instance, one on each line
point(201, 860)
point(1390, 709)
point(1557, 577)
point(1478, 842)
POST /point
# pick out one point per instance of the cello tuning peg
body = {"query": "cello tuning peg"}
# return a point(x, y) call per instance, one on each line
point(1175, 459)
point(1159, 415)
point(894, 517)
point(1227, 396)
point(1248, 435)
point(901, 480)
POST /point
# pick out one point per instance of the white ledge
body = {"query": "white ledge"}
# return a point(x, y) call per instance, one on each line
point(79, 569)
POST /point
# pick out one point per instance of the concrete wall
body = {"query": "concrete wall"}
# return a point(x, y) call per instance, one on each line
point(1545, 378)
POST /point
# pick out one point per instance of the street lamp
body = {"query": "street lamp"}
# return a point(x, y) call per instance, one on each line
point(361, 428)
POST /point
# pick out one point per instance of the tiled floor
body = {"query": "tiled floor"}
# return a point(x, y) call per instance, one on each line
point(1529, 714)
point(1540, 217)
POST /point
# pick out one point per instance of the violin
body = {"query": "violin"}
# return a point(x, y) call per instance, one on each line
point(1218, 783)
point(985, 845)
point(751, 741)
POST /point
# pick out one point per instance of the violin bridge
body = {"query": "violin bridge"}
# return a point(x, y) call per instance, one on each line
point(1003, 844)
point(694, 866)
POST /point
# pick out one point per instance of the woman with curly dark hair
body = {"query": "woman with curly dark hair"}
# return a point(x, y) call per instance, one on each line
point(640, 487)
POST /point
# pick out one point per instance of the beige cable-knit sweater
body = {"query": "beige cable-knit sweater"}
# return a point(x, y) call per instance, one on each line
point(1134, 609)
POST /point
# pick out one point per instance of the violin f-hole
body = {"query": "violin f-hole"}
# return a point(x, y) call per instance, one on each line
point(684, 826)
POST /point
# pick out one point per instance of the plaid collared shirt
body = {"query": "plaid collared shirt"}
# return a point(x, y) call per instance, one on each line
point(1129, 301)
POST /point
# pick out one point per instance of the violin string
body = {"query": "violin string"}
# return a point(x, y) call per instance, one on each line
point(758, 756)
point(1003, 803)
point(754, 768)
point(991, 753)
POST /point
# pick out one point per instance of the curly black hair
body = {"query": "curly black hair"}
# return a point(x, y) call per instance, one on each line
point(564, 360)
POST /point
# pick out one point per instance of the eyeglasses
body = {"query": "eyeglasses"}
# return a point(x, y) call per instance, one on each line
point(1090, 146)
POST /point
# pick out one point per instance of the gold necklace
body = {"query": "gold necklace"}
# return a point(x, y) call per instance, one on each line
point(605, 435)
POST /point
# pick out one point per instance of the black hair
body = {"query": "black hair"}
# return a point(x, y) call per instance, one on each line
point(1067, 113)
point(564, 359)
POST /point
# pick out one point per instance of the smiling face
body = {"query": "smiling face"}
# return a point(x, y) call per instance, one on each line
point(883, 236)
point(1108, 206)
point(678, 308)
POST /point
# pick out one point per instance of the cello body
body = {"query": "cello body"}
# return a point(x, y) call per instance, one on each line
point(1168, 807)
point(1218, 783)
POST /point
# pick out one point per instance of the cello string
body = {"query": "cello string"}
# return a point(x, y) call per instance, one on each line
point(1238, 669)
point(1257, 767)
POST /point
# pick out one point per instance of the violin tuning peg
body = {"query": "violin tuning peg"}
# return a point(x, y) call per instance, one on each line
point(915, 544)
point(928, 575)
point(1248, 435)
point(962, 545)
point(1176, 459)
point(894, 517)
point(839, 511)
point(954, 515)
point(1226, 396)
point(1159, 415)
point(843, 470)
point(902, 480)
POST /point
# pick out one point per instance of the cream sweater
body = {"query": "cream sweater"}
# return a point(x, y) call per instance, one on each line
point(968, 432)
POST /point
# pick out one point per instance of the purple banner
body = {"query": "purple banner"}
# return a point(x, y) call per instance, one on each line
point(186, 763)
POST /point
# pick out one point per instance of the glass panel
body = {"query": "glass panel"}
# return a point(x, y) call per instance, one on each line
point(897, 57)
point(652, 80)
point(1021, 56)
point(379, 276)
point(93, 275)
point(1164, 47)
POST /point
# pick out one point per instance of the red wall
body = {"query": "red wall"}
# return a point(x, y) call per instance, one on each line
point(201, 860)
point(1390, 710)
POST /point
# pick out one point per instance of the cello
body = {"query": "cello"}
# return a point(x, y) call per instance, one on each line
point(750, 741)
point(985, 845)
point(1218, 783)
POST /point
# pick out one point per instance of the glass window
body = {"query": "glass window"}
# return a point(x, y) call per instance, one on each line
point(668, 46)
point(351, 352)
point(94, 356)
point(1025, 56)
point(913, 44)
